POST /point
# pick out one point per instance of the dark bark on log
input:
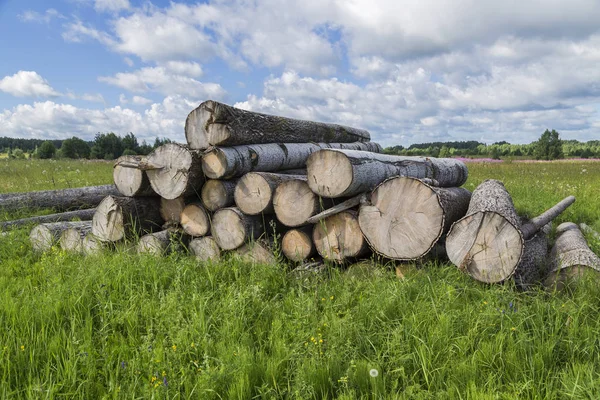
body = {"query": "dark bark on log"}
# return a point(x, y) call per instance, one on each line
point(205, 248)
point(60, 200)
point(214, 123)
point(405, 217)
point(338, 238)
point(180, 172)
point(339, 173)
point(83, 215)
point(297, 244)
point(570, 257)
point(487, 243)
point(119, 217)
point(294, 203)
point(44, 236)
point(533, 267)
point(229, 162)
point(254, 191)
point(530, 228)
point(217, 194)
point(71, 240)
point(231, 228)
point(131, 181)
point(195, 220)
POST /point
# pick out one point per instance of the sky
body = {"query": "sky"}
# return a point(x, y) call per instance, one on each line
point(409, 71)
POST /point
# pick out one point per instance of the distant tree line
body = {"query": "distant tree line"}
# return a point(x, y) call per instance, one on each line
point(548, 147)
point(105, 146)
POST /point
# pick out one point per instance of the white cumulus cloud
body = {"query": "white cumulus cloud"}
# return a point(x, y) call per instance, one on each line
point(27, 84)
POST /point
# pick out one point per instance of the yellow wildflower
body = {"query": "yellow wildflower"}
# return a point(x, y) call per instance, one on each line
point(513, 329)
point(22, 348)
point(164, 373)
point(174, 347)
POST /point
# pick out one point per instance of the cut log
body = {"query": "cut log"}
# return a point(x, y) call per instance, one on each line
point(171, 209)
point(44, 236)
point(488, 242)
point(131, 181)
point(533, 267)
point(117, 217)
point(91, 245)
point(405, 217)
point(179, 171)
point(254, 191)
point(83, 215)
point(229, 162)
point(339, 173)
point(205, 248)
point(588, 230)
point(231, 228)
point(71, 240)
point(195, 220)
point(159, 243)
point(217, 194)
point(339, 238)
point(218, 124)
point(570, 257)
point(256, 252)
point(297, 244)
point(60, 200)
point(294, 203)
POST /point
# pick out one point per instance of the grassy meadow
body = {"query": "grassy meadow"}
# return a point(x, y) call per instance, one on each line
point(121, 325)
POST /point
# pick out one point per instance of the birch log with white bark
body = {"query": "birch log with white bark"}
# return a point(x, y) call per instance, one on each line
point(339, 173)
point(195, 220)
point(218, 124)
point(44, 236)
point(205, 248)
point(229, 162)
point(339, 237)
point(570, 257)
point(132, 181)
point(294, 203)
point(231, 228)
point(83, 215)
point(60, 200)
point(217, 194)
point(488, 242)
point(174, 171)
point(297, 244)
point(406, 217)
point(254, 191)
point(117, 217)
point(71, 240)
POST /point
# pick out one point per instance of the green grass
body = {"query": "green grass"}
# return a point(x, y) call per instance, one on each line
point(111, 326)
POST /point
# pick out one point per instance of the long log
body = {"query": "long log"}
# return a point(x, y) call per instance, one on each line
point(340, 173)
point(83, 215)
point(254, 191)
point(195, 220)
point(406, 217)
point(533, 267)
point(71, 240)
point(339, 238)
point(256, 252)
point(60, 200)
point(294, 203)
point(570, 257)
point(129, 181)
point(297, 244)
point(229, 162)
point(174, 171)
point(205, 248)
point(217, 194)
point(117, 217)
point(162, 242)
point(44, 236)
point(218, 124)
point(488, 242)
point(231, 228)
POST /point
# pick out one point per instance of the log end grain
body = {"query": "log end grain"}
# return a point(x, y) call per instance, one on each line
point(171, 209)
point(256, 253)
point(228, 228)
point(195, 220)
point(71, 241)
point(297, 245)
point(41, 238)
point(253, 194)
point(174, 177)
point(217, 194)
point(205, 248)
point(485, 245)
point(152, 244)
point(339, 237)
point(329, 173)
point(195, 126)
point(130, 181)
point(91, 245)
point(294, 202)
point(108, 222)
point(214, 164)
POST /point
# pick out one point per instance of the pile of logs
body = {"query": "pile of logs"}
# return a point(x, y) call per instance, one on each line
point(259, 185)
